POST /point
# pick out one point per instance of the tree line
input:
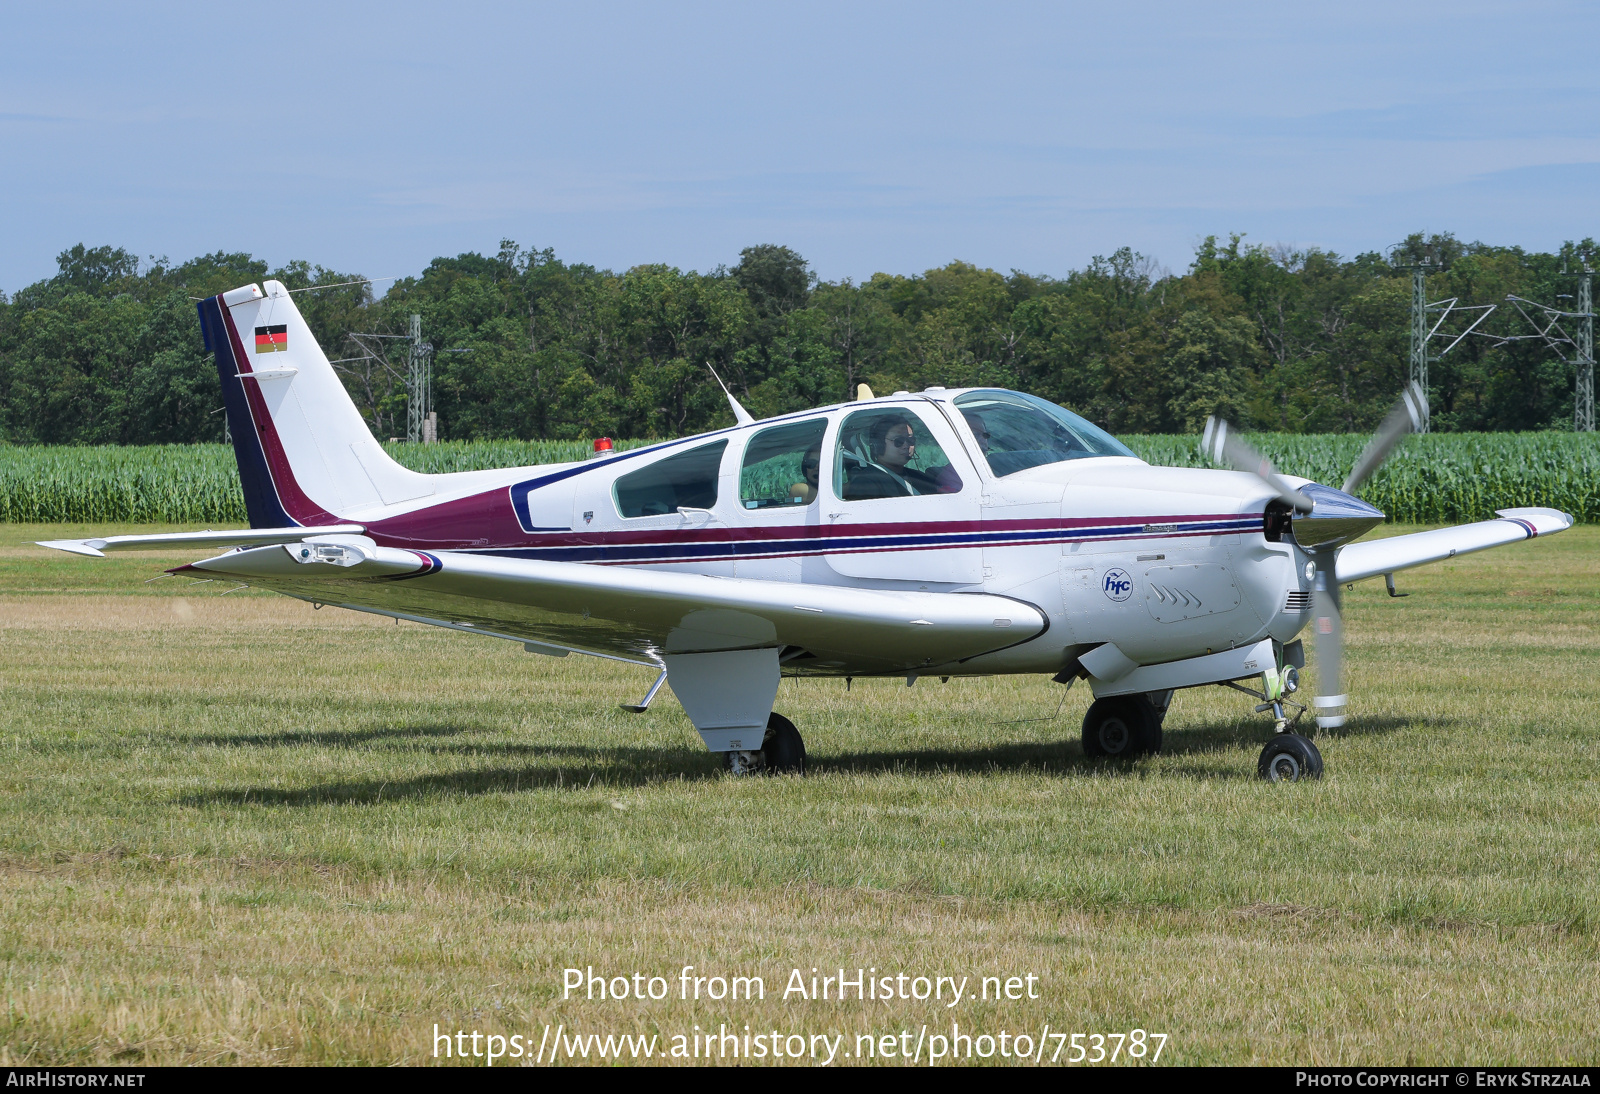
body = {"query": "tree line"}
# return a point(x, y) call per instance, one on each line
point(527, 346)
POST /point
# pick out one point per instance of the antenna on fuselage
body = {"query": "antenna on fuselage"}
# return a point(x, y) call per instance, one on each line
point(740, 414)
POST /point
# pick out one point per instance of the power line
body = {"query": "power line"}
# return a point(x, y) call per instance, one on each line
point(1575, 348)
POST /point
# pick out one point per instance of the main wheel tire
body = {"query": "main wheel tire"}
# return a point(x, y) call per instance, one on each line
point(1121, 728)
point(1288, 758)
point(783, 747)
point(783, 752)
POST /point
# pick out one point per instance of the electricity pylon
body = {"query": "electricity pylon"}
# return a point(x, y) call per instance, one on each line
point(420, 422)
point(1422, 333)
point(422, 425)
point(1583, 404)
point(1576, 348)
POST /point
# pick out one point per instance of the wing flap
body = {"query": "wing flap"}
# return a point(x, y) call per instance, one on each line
point(1360, 561)
point(645, 614)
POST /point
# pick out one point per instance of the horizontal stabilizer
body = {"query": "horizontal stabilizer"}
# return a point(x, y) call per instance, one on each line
point(205, 541)
point(1360, 561)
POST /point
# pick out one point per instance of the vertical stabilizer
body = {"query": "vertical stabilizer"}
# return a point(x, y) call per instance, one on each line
point(305, 454)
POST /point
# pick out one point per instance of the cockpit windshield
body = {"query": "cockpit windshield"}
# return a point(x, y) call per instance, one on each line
point(1016, 431)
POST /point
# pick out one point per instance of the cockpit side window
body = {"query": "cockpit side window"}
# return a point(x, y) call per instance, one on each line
point(686, 480)
point(889, 452)
point(782, 465)
point(1016, 431)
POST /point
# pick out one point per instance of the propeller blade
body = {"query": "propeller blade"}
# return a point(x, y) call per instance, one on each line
point(1330, 700)
point(1408, 415)
point(1222, 445)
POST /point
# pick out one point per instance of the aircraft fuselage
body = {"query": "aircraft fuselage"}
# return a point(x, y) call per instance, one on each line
point(1168, 563)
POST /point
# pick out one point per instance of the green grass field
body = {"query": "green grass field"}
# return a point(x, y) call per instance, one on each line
point(234, 829)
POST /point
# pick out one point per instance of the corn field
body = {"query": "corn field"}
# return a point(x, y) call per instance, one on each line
point(1436, 478)
point(1433, 479)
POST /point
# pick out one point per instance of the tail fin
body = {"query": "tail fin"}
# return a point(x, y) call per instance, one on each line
point(305, 455)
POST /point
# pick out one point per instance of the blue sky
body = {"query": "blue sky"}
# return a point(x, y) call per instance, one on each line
point(371, 138)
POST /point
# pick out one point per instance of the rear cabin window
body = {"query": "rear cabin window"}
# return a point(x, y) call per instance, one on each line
point(781, 466)
point(687, 480)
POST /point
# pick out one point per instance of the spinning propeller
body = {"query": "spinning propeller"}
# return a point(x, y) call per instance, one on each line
point(1328, 519)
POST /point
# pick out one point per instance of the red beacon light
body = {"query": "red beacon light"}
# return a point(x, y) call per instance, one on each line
point(602, 447)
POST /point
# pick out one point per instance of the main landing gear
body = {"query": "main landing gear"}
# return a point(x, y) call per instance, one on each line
point(1121, 727)
point(782, 752)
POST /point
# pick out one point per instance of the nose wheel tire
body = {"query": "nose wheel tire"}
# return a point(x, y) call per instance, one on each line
point(1121, 727)
point(1288, 758)
point(782, 752)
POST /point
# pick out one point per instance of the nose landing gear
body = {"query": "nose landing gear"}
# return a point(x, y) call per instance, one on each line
point(1289, 758)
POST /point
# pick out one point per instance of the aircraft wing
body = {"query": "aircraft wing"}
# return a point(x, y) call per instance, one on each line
point(1360, 561)
point(235, 537)
point(641, 614)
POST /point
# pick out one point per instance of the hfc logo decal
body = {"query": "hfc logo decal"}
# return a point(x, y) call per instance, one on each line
point(1117, 584)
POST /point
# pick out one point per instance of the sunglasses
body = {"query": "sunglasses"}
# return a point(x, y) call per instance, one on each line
point(902, 442)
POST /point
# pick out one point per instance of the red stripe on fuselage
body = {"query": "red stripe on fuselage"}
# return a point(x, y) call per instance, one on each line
point(300, 508)
point(487, 521)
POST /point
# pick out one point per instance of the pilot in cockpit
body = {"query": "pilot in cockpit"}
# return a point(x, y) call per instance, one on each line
point(891, 445)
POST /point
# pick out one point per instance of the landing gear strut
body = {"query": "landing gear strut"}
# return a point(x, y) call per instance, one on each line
point(782, 752)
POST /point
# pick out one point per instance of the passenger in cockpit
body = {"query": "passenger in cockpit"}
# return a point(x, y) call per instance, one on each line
point(805, 492)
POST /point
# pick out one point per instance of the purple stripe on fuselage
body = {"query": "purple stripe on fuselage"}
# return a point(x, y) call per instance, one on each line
point(723, 545)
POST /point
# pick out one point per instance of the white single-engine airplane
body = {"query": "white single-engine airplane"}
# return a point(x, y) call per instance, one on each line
point(942, 533)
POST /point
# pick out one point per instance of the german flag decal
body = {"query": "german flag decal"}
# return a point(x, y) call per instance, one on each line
point(272, 339)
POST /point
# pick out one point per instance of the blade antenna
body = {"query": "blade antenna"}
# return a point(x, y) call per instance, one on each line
point(740, 414)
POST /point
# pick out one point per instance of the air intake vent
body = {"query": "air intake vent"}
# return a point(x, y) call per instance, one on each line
point(1297, 602)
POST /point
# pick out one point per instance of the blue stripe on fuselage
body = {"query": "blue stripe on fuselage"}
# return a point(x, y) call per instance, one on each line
point(697, 550)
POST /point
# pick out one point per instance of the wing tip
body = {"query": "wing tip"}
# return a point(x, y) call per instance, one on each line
point(89, 547)
point(1538, 520)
